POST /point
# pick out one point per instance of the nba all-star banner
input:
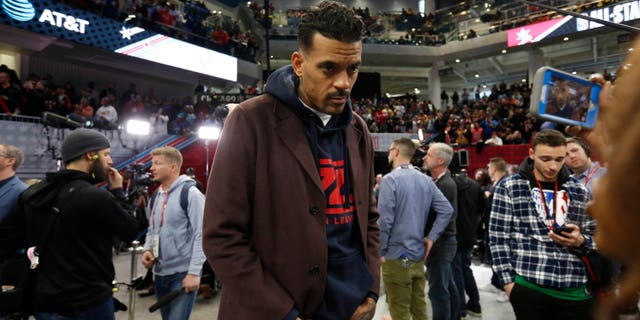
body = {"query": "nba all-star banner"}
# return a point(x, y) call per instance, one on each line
point(56, 19)
point(618, 13)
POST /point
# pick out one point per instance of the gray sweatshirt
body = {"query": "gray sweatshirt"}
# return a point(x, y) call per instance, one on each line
point(180, 232)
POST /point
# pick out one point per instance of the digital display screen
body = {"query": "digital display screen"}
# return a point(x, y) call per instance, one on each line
point(180, 54)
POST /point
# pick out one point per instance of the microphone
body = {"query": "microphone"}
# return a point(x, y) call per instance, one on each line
point(165, 300)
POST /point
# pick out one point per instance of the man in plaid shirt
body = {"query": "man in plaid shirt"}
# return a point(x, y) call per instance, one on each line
point(530, 254)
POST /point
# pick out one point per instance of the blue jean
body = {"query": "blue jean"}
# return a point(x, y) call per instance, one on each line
point(180, 307)
point(102, 312)
point(442, 288)
point(465, 282)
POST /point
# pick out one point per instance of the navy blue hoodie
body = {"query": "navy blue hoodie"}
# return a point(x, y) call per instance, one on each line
point(348, 279)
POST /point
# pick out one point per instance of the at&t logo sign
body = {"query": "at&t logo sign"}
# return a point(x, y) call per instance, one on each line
point(23, 10)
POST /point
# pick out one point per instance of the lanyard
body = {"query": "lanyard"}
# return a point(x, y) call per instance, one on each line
point(550, 214)
point(591, 173)
point(153, 212)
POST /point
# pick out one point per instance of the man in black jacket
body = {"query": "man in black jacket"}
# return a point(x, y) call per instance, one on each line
point(442, 288)
point(472, 205)
point(75, 270)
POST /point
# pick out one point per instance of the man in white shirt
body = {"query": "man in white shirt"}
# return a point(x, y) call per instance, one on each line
point(106, 116)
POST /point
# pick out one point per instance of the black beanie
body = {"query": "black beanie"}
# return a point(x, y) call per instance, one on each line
point(81, 141)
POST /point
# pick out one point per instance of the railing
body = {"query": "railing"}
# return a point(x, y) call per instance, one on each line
point(19, 118)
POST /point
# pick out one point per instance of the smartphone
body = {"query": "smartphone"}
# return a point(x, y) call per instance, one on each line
point(561, 229)
point(561, 97)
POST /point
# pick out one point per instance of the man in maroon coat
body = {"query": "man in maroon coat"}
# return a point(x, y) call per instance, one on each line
point(290, 223)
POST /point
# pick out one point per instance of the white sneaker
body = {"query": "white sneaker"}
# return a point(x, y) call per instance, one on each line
point(502, 297)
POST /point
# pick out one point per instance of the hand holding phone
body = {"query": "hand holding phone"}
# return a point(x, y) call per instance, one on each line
point(559, 230)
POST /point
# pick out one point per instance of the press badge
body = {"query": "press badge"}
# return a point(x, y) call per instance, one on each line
point(156, 245)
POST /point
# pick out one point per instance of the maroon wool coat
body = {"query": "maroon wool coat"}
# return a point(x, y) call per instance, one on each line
point(264, 229)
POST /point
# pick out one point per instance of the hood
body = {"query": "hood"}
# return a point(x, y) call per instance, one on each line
point(526, 168)
point(283, 84)
point(179, 182)
point(43, 193)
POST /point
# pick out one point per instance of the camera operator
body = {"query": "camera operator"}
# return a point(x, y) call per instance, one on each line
point(75, 273)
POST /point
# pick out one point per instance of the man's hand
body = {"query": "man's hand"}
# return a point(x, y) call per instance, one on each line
point(568, 239)
point(191, 283)
point(365, 311)
point(508, 287)
point(427, 248)
point(148, 259)
point(114, 179)
point(383, 260)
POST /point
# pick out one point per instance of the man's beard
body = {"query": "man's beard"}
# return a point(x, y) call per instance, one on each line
point(98, 172)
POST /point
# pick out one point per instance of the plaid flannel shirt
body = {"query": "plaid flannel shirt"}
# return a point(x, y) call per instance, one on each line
point(519, 238)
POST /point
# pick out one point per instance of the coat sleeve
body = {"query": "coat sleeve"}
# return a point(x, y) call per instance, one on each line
point(227, 222)
point(12, 232)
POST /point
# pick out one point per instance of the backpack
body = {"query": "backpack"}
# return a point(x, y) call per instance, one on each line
point(18, 273)
point(184, 195)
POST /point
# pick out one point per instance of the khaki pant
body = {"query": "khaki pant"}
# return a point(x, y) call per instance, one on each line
point(405, 289)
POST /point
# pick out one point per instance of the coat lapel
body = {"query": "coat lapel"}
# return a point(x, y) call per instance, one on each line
point(291, 131)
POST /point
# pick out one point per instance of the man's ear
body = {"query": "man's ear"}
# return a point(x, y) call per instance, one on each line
point(531, 153)
point(297, 60)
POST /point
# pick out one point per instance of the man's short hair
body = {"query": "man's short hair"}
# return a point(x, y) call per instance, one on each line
point(171, 153)
point(406, 147)
point(444, 152)
point(499, 164)
point(582, 143)
point(13, 152)
point(551, 138)
point(331, 19)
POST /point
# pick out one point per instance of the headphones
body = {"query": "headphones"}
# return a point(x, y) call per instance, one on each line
point(95, 157)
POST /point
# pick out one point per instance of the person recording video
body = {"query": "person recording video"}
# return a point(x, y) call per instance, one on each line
point(616, 206)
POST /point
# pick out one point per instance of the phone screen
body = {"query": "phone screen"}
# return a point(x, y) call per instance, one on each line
point(568, 99)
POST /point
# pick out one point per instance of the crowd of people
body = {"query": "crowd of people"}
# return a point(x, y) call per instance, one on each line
point(187, 20)
point(432, 29)
point(193, 22)
point(103, 108)
point(502, 117)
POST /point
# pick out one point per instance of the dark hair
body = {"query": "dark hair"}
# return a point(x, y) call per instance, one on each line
point(551, 138)
point(582, 143)
point(333, 20)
